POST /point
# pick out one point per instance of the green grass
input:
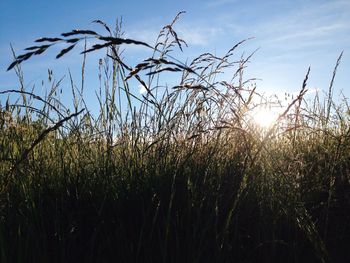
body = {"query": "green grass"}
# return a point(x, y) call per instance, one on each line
point(177, 175)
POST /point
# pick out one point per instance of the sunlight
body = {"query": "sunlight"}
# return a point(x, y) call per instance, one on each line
point(264, 117)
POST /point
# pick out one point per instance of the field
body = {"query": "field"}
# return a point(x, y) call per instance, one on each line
point(176, 174)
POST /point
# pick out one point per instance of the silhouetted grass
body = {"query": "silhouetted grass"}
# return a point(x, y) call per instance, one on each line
point(179, 174)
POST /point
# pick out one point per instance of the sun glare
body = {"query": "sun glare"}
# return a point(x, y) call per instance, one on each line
point(264, 117)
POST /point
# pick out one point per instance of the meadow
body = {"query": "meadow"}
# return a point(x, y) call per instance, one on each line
point(177, 174)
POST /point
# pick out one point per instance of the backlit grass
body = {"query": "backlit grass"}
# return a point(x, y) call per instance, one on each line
point(178, 174)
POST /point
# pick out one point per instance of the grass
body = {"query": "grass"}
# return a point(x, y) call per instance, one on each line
point(179, 174)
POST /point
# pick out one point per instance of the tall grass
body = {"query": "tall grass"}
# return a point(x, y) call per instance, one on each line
point(179, 174)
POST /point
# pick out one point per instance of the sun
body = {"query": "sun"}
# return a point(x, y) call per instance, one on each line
point(264, 117)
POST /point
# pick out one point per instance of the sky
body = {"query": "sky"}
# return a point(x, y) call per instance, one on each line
point(290, 36)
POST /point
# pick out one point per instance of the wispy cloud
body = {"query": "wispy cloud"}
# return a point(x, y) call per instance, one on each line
point(194, 35)
point(199, 36)
point(292, 35)
point(308, 27)
point(317, 32)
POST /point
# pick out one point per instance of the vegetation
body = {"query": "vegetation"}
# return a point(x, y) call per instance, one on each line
point(179, 174)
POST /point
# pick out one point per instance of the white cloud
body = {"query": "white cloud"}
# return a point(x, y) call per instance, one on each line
point(311, 25)
point(142, 89)
point(315, 33)
point(193, 35)
point(199, 36)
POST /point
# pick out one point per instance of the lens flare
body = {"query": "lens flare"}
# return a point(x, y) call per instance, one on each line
point(264, 117)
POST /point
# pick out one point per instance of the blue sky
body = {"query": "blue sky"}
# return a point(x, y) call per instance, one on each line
point(290, 35)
